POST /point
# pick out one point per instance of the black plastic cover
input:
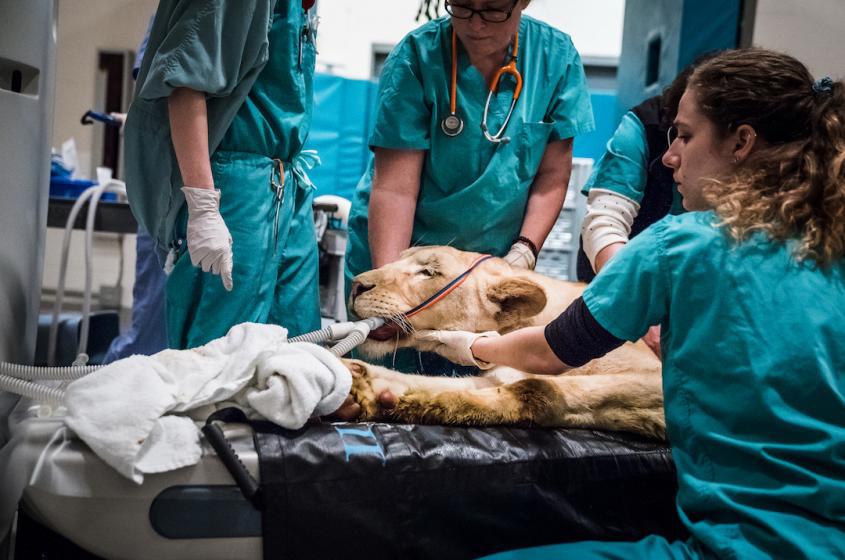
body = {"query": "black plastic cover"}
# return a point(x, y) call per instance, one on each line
point(405, 491)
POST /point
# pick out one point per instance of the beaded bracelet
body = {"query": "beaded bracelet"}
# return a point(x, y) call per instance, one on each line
point(530, 244)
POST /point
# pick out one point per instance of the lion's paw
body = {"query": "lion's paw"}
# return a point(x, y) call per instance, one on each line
point(362, 390)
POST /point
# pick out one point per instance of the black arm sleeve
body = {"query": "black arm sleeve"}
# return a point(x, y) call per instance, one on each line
point(576, 337)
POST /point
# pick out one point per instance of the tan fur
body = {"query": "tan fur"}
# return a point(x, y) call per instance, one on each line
point(621, 391)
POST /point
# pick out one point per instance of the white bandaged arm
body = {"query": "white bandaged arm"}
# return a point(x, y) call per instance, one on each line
point(608, 220)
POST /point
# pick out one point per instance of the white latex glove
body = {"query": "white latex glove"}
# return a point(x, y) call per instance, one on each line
point(521, 256)
point(209, 242)
point(456, 346)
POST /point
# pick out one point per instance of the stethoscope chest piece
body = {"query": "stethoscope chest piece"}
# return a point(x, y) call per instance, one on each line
point(452, 125)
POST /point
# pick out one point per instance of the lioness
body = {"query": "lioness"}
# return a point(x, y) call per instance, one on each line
point(621, 391)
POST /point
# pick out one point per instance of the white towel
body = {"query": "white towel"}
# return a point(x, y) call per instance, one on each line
point(119, 410)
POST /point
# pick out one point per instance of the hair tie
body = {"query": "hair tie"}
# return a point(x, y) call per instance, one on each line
point(823, 85)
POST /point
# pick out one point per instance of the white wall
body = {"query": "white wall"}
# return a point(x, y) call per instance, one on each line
point(84, 28)
point(106, 264)
point(348, 29)
point(810, 30)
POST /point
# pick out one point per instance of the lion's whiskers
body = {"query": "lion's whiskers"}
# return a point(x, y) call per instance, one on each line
point(395, 350)
point(402, 322)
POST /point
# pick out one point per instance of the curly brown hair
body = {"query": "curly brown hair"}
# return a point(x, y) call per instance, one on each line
point(793, 186)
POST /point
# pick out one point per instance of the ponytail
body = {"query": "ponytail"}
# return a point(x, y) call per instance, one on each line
point(793, 187)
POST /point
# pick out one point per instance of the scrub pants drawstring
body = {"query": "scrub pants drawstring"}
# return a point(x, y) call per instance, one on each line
point(278, 189)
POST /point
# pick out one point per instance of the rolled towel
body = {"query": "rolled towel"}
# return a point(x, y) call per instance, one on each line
point(121, 411)
point(301, 381)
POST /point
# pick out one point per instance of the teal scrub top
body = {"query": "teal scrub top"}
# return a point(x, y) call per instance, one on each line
point(754, 382)
point(275, 118)
point(215, 46)
point(623, 168)
point(472, 192)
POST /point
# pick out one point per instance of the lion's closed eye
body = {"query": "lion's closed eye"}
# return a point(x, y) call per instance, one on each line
point(428, 272)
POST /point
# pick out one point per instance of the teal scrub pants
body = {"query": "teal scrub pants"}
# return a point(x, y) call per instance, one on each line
point(650, 548)
point(275, 266)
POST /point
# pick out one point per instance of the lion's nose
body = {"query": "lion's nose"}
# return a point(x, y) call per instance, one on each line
point(359, 288)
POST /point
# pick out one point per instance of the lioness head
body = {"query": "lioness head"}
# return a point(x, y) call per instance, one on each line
point(494, 296)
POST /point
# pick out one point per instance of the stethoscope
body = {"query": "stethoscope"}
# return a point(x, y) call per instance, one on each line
point(452, 124)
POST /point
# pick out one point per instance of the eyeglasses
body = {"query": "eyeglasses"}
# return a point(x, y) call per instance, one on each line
point(671, 136)
point(489, 15)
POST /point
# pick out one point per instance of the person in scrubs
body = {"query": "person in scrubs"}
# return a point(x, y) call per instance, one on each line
point(630, 188)
point(146, 335)
point(749, 288)
point(215, 167)
point(428, 184)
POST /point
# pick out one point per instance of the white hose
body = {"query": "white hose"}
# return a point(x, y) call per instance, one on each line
point(96, 192)
point(347, 344)
point(357, 336)
point(31, 390)
point(314, 337)
point(21, 371)
point(116, 187)
point(18, 379)
point(60, 288)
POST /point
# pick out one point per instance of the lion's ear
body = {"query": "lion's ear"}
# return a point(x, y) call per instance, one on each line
point(517, 298)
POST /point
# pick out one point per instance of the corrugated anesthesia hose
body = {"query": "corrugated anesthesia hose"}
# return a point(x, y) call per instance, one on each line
point(34, 372)
point(315, 337)
point(31, 390)
point(357, 335)
point(18, 379)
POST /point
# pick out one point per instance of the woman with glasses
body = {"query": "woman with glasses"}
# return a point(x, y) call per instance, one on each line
point(432, 184)
point(750, 290)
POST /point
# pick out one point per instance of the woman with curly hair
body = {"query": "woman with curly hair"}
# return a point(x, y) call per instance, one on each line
point(749, 288)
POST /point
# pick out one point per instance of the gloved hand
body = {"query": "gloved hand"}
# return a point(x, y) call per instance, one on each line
point(209, 242)
point(652, 340)
point(521, 256)
point(456, 346)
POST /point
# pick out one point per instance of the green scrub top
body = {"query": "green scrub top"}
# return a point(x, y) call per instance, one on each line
point(216, 46)
point(753, 377)
point(473, 192)
point(259, 109)
point(275, 118)
point(623, 168)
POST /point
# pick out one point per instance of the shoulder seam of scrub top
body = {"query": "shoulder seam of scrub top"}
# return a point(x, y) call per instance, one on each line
point(565, 38)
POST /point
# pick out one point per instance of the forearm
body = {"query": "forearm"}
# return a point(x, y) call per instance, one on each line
point(571, 340)
point(606, 254)
point(391, 221)
point(548, 192)
point(525, 349)
point(607, 225)
point(189, 132)
point(393, 202)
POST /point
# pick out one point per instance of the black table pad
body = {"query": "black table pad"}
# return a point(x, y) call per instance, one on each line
point(408, 491)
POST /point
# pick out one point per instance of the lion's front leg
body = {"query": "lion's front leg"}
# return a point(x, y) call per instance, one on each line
point(611, 402)
point(370, 383)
